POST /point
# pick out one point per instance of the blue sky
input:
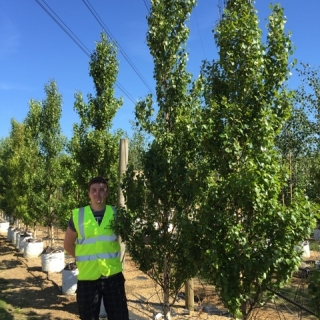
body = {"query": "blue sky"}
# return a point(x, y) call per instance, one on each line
point(34, 49)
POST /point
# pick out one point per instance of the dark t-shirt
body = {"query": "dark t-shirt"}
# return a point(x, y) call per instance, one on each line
point(97, 214)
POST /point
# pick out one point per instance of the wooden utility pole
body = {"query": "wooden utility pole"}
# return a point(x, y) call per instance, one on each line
point(123, 163)
point(189, 292)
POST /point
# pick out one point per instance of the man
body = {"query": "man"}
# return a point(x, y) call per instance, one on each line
point(91, 240)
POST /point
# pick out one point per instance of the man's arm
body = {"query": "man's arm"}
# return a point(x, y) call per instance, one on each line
point(69, 241)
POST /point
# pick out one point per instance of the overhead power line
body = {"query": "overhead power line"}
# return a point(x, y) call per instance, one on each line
point(105, 28)
point(195, 15)
point(64, 27)
point(147, 6)
point(76, 40)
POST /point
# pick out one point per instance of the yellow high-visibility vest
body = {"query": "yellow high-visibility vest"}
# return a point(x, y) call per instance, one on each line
point(97, 248)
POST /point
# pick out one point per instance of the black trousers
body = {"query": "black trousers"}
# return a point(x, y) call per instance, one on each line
point(111, 290)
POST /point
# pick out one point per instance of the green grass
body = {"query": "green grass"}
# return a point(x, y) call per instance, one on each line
point(4, 313)
point(8, 312)
point(3, 305)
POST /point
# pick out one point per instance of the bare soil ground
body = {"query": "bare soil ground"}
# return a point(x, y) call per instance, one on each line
point(28, 293)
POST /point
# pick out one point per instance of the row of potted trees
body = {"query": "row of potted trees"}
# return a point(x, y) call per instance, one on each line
point(52, 259)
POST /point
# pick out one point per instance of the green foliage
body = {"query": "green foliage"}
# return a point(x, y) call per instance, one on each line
point(313, 281)
point(94, 149)
point(40, 183)
point(154, 235)
point(298, 142)
point(138, 145)
point(4, 173)
point(46, 173)
point(15, 167)
point(306, 164)
point(161, 194)
point(296, 146)
point(32, 160)
point(248, 235)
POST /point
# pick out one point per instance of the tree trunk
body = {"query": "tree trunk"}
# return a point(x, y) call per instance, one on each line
point(52, 235)
point(244, 310)
point(291, 182)
point(166, 302)
point(123, 163)
point(35, 230)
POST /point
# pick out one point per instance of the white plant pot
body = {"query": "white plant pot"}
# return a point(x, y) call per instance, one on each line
point(14, 236)
point(52, 262)
point(10, 233)
point(17, 240)
point(23, 242)
point(69, 281)
point(32, 249)
point(304, 246)
point(4, 226)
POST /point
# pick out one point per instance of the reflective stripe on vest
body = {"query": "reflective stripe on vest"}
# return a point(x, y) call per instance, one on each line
point(92, 240)
point(99, 238)
point(98, 256)
point(81, 222)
